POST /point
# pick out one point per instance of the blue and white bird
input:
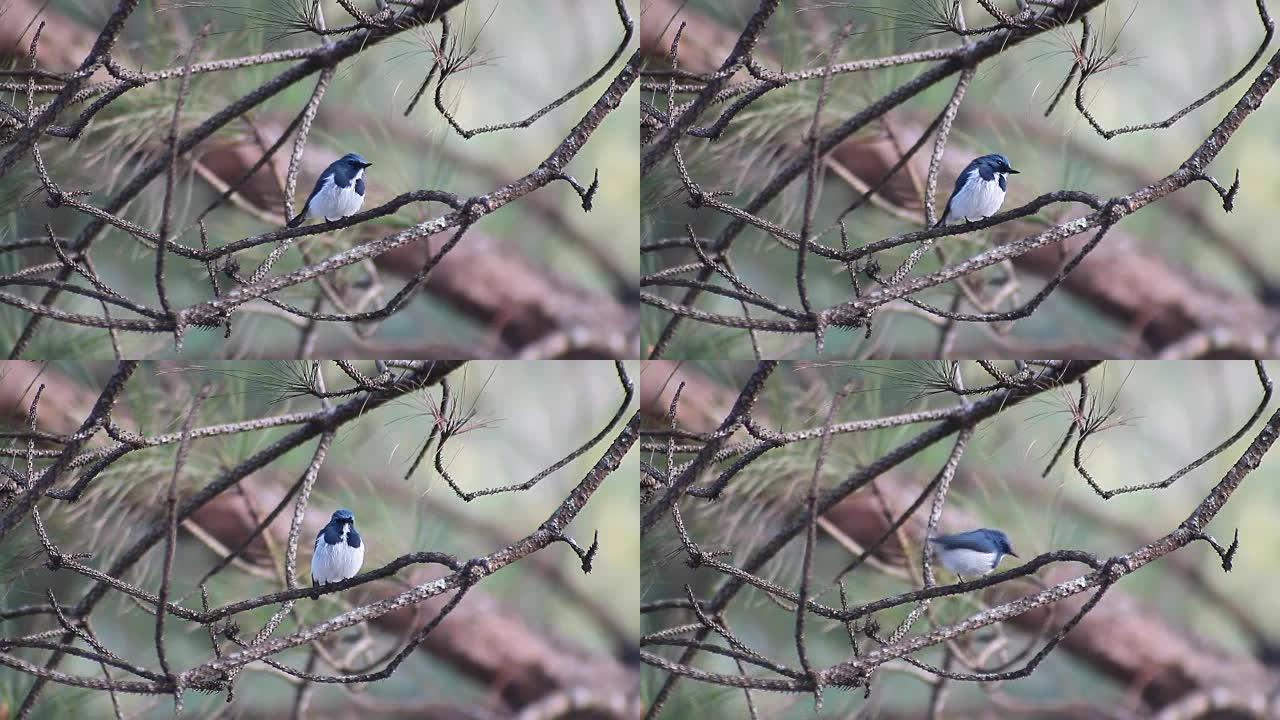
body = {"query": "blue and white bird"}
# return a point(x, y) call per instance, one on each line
point(339, 191)
point(979, 191)
point(972, 553)
point(339, 552)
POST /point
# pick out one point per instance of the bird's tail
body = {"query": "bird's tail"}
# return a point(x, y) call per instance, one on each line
point(298, 220)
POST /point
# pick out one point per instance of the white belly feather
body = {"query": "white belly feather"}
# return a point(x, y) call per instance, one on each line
point(331, 563)
point(967, 562)
point(977, 199)
point(333, 202)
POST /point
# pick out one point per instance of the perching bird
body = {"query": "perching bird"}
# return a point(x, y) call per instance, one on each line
point(980, 189)
point(976, 552)
point(339, 191)
point(339, 551)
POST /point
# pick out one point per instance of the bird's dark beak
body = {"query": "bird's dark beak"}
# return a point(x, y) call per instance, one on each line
point(1014, 553)
point(367, 165)
point(1011, 171)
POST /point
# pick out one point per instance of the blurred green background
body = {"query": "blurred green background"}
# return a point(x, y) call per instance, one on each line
point(527, 416)
point(1165, 416)
point(1168, 55)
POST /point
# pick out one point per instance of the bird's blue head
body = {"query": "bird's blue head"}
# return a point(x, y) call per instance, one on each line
point(354, 161)
point(999, 541)
point(996, 162)
point(342, 516)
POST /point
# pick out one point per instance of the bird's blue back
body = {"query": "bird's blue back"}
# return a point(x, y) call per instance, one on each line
point(981, 540)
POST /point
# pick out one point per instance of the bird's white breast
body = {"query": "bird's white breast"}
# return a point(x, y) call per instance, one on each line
point(966, 562)
point(977, 199)
point(331, 563)
point(333, 202)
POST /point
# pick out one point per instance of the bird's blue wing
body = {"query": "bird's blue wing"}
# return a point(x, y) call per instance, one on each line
point(306, 206)
point(328, 173)
point(976, 540)
point(959, 184)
